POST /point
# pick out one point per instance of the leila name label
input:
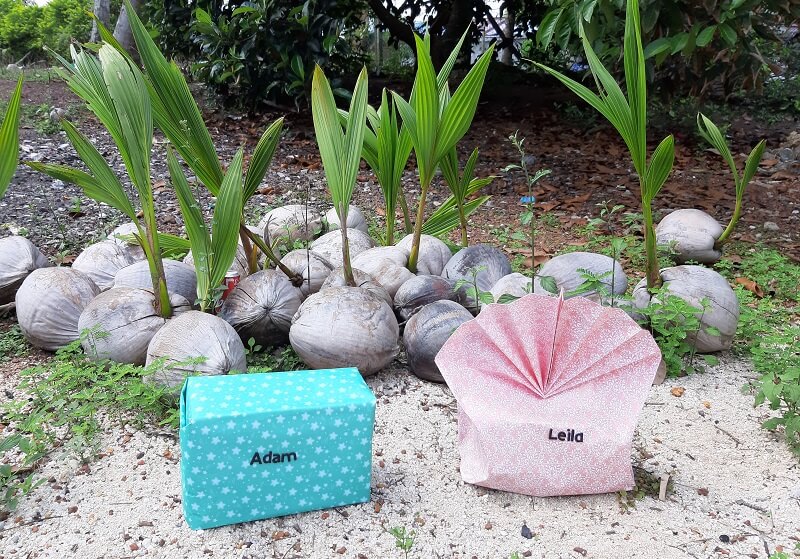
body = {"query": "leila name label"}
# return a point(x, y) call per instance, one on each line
point(568, 436)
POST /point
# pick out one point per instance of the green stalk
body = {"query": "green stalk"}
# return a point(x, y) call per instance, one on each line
point(406, 214)
point(653, 273)
point(149, 243)
point(737, 212)
point(296, 279)
point(348, 267)
point(463, 219)
point(414, 256)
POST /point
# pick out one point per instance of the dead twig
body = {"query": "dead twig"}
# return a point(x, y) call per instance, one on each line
point(737, 441)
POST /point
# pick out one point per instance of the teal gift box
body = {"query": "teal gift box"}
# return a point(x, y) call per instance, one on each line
point(260, 445)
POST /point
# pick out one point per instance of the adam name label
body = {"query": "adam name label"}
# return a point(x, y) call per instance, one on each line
point(568, 436)
point(273, 457)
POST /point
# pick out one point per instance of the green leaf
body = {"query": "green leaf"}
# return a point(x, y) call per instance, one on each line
point(199, 238)
point(262, 157)
point(174, 109)
point(657, 47)
point(548, 26)
point(709, 131)
point(772, 424)
point(226, 220)
point(457, 116)
point(9, 139)
point(728, 34)
point(753, 160)
point(659, 169)
point(705, 36)
point(549, 284)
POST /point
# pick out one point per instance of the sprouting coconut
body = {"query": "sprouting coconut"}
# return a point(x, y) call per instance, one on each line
point(101, 262)
point(180, 277)
point(693, 234)
point(362, 280)
point(387, 266)
point(487, 263)
point(329, 246)
point(121, 322)
point(287, 224)
point(311, 266)
point(690, 235)
point(433, 253)
point(421, 290)
point(262, 306)
point(694, 284)
point(427, 331)
point(50, 302)
point(18, 258)
point(195, 342)
point(515, 285)
point(569, 273)
point(355, 220)
point(345, 327)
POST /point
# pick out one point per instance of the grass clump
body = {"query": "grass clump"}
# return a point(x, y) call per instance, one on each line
point(61, 404)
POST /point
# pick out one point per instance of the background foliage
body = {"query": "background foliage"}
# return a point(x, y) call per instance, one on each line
point(267, 49)
point(27, 28)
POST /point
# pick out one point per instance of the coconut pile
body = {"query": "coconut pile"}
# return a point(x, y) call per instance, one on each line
point(107, 295)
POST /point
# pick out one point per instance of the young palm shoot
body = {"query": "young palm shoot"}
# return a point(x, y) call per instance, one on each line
point(115, 91)
point(435, 121)
point(713, 136)
point(629, 117)
point(340, 148)
point(213, 252)
point(387, 148)
point(177, 115)
point(9, 139)
point(462, 185)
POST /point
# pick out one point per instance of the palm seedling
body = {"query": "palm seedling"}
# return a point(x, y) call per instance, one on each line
point(9, 139)
point(340, 148)
point(387, 148)
point(462, 185)
point(213, 253)
point(629, 117)
point(436, 121)
point(115, 91)
point(177, 115)
point(713, 136)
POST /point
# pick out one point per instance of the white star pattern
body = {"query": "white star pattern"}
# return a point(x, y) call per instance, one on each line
point(319, 457)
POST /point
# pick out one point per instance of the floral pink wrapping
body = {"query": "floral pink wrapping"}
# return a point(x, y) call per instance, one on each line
point(549, 392)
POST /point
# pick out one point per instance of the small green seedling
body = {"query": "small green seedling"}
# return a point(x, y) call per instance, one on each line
point(403, 539)
point(713, 136)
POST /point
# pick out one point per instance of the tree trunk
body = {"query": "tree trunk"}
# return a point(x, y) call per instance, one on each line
point(122, 31)
point(102, 9)
point(508, 31)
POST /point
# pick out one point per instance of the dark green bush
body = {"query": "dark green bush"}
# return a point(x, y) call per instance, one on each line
point(695, 47)
point(266, 50)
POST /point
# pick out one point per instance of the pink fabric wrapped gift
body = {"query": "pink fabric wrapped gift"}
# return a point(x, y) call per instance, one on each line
point(549, 392)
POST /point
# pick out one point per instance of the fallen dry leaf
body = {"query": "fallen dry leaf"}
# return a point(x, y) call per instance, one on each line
point(677, 391)
point(751, 286)
point(702, 491)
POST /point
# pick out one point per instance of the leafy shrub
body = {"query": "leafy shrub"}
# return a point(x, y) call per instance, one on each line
point(720, 42)
point(266, 50)
point(171, 25)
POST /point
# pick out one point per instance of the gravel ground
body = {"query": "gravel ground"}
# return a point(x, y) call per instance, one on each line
point(735, 492)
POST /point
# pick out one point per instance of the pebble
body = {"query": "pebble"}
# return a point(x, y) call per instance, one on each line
point(771, 226)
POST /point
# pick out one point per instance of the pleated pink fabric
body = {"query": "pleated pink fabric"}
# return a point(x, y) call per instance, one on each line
point(549, 392)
